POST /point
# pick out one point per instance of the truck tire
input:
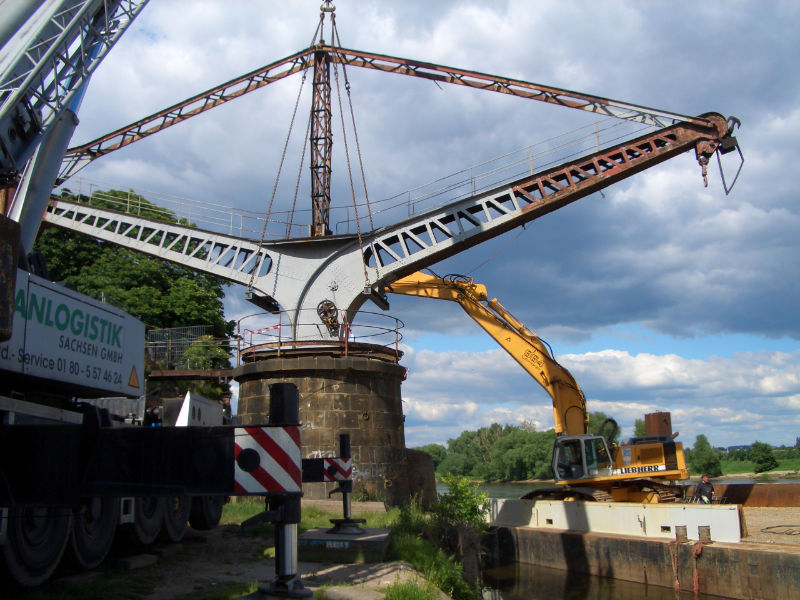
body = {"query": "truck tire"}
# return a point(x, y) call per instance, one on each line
point(206, 512)
point(92, 532)
point(36, 538)
point(148, 516)
point(176, 518)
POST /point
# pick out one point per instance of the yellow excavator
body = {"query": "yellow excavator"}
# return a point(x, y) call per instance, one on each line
point(585, 466)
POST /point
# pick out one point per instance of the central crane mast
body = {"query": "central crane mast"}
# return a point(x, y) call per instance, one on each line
point(321, 140)
point(321, 135)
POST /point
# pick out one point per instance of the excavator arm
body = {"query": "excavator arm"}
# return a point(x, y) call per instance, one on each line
point(585, 466)
point(524, 346)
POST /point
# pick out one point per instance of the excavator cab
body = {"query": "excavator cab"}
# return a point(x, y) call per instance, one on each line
point(581, 457)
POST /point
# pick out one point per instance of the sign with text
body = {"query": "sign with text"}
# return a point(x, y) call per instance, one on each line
point(61, 335)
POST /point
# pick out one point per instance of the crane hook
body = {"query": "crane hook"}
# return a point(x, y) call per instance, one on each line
point(703, 151)
point(733, 123)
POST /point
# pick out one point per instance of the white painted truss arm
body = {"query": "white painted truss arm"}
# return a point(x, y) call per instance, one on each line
point(228, 257)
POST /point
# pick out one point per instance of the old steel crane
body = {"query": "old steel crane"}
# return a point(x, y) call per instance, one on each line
point(343, 271)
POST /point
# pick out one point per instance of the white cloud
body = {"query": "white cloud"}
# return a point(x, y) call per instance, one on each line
point(658, 252)
point(732, 400)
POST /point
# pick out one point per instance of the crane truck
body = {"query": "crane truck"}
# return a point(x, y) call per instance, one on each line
point(69, 474)
point(585, 466)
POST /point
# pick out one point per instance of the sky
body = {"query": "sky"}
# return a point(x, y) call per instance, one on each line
point(659, 294)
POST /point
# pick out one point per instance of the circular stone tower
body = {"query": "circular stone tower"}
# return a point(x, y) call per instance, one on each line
point(344, 388)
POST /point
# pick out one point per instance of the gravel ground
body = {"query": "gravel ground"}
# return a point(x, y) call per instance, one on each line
point(206, 560)
point(773, 525)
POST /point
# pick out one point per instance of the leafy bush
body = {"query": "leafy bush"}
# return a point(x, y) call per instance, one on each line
point(463, 505)
point(413, 539)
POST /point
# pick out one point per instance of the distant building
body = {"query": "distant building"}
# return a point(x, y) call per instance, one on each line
point(730, 449)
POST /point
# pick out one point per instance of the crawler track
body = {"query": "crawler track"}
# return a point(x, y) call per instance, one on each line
point(568, 493)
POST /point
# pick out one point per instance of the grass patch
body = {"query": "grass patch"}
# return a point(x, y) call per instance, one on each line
point(233, 513)
point(411, 525)
point(411, 591)
point(737, 467)
point(788, 464)
point(314, 517)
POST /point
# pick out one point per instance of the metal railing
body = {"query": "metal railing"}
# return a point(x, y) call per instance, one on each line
point(273, 334)
point(248, 224)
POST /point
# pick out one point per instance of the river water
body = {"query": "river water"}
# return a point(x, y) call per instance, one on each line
point(526, 582)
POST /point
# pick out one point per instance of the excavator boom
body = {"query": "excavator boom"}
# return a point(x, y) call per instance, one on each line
point(586, 462)
point(524, 346)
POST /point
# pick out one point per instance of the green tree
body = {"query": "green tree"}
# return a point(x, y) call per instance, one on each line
point(703, 459)
point(454, 464)
point(472, 448)
point(761, 454)
point(739, 454)
point(599, 425)
point(509, 453)
point(639, 429)
point(437, 452)
point(520, 455)
point(160, 293)
point(206, 353)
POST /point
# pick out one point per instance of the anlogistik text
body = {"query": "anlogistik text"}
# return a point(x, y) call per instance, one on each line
point(75, 321)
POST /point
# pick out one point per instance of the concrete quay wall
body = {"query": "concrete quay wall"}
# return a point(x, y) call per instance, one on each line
point(720, 523)
point(741, 570)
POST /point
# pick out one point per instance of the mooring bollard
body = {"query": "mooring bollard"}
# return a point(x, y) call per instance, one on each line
point(284, 510)
point(346, 525)
point(681, 535)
